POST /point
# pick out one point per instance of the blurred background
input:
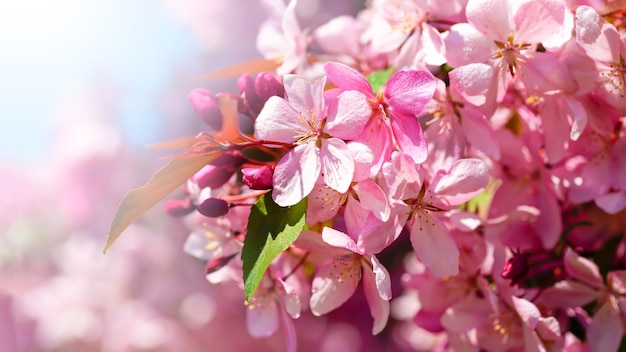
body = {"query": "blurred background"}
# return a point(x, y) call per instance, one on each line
point(84, 86)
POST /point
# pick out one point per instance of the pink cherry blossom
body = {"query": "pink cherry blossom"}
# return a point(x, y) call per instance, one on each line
point(336, 281)
point(317, 128)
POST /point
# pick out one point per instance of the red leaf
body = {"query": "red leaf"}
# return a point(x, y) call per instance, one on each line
point(236, 70)
point(179, 143)
point(165, 181)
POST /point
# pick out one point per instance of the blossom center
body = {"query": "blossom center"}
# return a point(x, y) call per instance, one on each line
point(617, 75)
point(510, 54)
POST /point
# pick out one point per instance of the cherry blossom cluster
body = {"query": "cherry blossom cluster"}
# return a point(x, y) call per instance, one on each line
point(460, 163)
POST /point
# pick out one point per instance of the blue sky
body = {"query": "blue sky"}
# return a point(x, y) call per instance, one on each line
point(46, 46)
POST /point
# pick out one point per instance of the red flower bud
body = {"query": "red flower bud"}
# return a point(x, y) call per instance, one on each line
point(258, 178)
point(213, 207)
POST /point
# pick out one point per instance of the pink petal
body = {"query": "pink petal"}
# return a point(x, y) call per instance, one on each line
point(473, 83)
point(312, 241)
point(355, 216)
point(323, 204)
point(490, 17)
point(527, 311)
point(479, 133)
point(401, 176)
point(379, 306)
point(408, 92)
point(538, 20)
point(339, 239)
point(600, 39)
point(556, 129)
point(432, 46)
point(617, 279)
point(329, 291)
point(548, 329)
point(347, 118)
point(568, 294)
point(337, 164)
point(295, 174)
point(606, 330)
point(466, 178)
point(383, 280)
point(434, 246)
point(340, 35)
point(612, 202)
point(544, 73)
point(306, 96)
point(277, 121)
point(582, 269)
point(347, 78)
point(363, 159)
point(289, 331)
point(548, 222)
point(262, 317)
point(618, 165)
point(464, 220)
point(377, 136)
point(372, 198)
point(410, 137)
point(376, 235)
point(578, 115)
point(466, 45)
point(290, 298)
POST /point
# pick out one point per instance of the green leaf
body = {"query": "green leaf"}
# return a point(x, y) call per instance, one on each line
point(379, 78)
point(271, 230)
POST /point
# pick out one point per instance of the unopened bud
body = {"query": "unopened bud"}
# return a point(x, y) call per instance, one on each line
point(257, 91)
point(258, 178)
point(206, 107)
point(219, 171)
point(213, 207)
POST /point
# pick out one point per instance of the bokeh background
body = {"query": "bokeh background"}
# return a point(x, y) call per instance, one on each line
point(84, 87)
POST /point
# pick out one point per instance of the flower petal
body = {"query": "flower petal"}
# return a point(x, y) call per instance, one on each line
point(466, 45)
point(612, 202)
point(330, 290)
point(408, 92)
point(466, 178)
point(434, 246)
point(605, 331)
point(379, 306)
point(295, 174)
point(538, 20)
point(490, 17)
point(347, 78)
point(337, 164)
point(568, 294)
point(409, 136)
point(383, 280)
point(306, 96)
point(582, 268)
point(348, 115)
point(277, 121)
point(262, 318)
point(339, 239)
point(323, 204)
point(372, 198)
point(479, 133)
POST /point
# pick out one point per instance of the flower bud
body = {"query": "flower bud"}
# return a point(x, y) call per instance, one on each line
point(206, 107)
point(219, 171)
point(257, 91)
point(213, 207)
point(258, 178)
